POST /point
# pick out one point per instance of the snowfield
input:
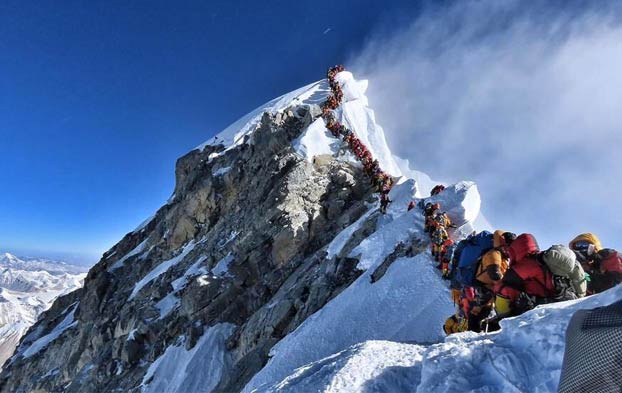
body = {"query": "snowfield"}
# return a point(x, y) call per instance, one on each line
point(525, 356)
point(372, 366)
point(196, 370)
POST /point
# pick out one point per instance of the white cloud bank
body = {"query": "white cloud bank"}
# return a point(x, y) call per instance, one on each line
point(522, 97)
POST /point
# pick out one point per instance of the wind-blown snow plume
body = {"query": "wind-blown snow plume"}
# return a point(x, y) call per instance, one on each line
point(521, 97)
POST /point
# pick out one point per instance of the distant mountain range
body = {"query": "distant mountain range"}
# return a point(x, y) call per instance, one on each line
point(29, 286)
point(52, 266)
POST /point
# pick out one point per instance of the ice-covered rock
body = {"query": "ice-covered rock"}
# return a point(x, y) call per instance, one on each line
point(243, 247)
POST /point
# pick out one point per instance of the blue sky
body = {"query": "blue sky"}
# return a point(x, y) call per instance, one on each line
point(98, 99)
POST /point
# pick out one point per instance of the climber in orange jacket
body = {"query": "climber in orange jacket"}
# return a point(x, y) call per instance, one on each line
point(495, 262)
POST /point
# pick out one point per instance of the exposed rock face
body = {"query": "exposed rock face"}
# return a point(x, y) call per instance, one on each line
point(241, 242)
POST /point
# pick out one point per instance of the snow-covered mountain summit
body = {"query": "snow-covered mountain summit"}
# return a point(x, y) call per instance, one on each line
point(270, 268)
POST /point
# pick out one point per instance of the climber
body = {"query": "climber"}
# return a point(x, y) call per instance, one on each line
point(447, 251)
point(384, 202)
point(455, 324)
point(338, 93)
point(343, 130)
point(333, 71)
point(585, 246)
point(375, 167)
point(438, 236)
point(442, 219)
point(331, 103)
point(326, 111)
point(411, 205)
point(494, 263)
point(480, 263)
point(437, 189)
point(536, 277)
point(605, 270)
point(379, 180)
point(469, 253)
point(429, 212)
point(353, 142)
point(366, 164)
point(332, 125)
point(387, 184)
point(524, 281)
point(476, 303)
point(604, 266)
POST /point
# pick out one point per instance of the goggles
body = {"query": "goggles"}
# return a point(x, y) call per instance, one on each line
point(581, 245)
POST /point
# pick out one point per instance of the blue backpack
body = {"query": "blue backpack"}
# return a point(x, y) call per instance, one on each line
point(474, 247)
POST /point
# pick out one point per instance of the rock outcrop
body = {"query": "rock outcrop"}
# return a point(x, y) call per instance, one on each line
point(242, 242)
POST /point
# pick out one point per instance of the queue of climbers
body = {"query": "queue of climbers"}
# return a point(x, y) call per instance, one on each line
point(492, 275)
point(381, 181)
point(497, 275)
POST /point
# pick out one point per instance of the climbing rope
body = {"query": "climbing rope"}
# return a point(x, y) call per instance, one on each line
point(380, 180)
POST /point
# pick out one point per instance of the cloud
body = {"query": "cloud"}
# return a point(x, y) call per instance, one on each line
point(522, 97)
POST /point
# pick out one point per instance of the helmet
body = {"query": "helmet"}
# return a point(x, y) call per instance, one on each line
point(509, 237)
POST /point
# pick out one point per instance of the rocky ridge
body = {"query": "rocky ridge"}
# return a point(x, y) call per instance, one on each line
point(259, 207)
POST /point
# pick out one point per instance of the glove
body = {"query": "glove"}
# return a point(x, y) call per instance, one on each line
point(524, 303)
point(490, 324)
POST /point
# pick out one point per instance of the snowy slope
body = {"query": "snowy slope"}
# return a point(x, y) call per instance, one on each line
point(180, 370)
point(338, 349)
point(356, 115)
point(27, 288)
point(410, 303)
point(525, 356)
point(314, 93)
point(372, 366)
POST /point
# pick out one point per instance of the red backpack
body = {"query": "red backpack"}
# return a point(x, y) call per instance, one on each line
point(611, 261)
point(523, 246)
